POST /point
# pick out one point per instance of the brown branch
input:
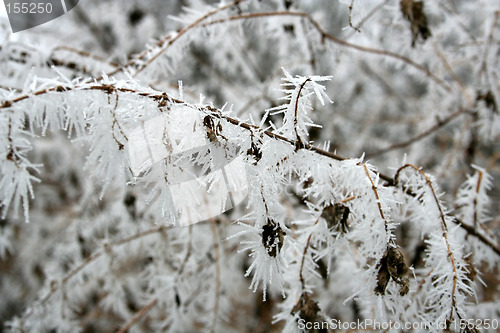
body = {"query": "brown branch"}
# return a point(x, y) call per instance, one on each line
point(350, 17)
point(138, 316)
point(452, 73)
point(85, 54)
point(115, 122)
point(301, 277)
point(57, 286)
point(71, 65)
point(437, 126)
point(213, 227)
point(327, 36)
point(252, 128)
point(444, 230)
point(367, 17)
point(167, 41)
point(374, 188)
point(484, 62)
point(471, 231)
point(295, 119)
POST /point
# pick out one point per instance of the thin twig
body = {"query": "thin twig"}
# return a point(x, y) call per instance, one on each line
point(327, 36)
point(138, 316)
point(301, 277)
point(84, 54)
point(168, 40)
point(444, 230)
point(350, 17)
point(215, 236)
point(377, 197)
point(478, 188)
point(253, 128)
point(434, 128)
point(296, 116)
point(367, 17)
point(471, 231)
point(115, 122)
point(96, 255)
point(452, 73)
point(484, 62)
point(188, 251)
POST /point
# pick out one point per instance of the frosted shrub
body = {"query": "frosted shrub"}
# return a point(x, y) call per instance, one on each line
point(194, 174)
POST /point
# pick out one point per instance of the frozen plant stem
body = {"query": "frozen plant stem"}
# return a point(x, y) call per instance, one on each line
point(164, 98)
point(339, 41)
point(295, 120)
point(59, 285)
point(444, 230)
point(213, 227)
point(138, 316)
point(310, 220)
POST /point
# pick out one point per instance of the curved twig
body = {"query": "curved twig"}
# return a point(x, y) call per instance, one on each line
point(327, 36)
point(444, 230)
point(253, 128)
point(166, 41)
point(377, 197)
point(138, 316)
point(215, 236)
point(57, 286)
point(434, 128)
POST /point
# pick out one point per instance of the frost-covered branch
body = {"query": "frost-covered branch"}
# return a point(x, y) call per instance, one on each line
point(266, 206)
point(332, 38)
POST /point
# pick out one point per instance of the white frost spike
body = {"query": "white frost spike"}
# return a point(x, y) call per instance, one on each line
point(299, 102)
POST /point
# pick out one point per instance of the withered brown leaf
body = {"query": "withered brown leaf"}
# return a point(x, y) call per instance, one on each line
point(393, 266)
point(336, 217)
point(413, 11)
point(272, 238)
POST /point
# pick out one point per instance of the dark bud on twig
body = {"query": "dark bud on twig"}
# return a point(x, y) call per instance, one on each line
point(392, 265)
point(255, 151)
point(336, 217)
point(383, 277)
point(177, 299)
point(213, 130)
point(135, 16)
point(488, 99)
point(413, 11)
point(272, 238)
point(129, 202)
point(288, 4)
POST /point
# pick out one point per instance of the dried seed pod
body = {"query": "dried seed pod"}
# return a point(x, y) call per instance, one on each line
point(308, 309)
point(413, 11)
point(398, 269)
point(392, 265)
point(213, 130)
point(489, 99)
point(272, 238)
point(336, 217)
point(255, 151)
point(383, 277)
